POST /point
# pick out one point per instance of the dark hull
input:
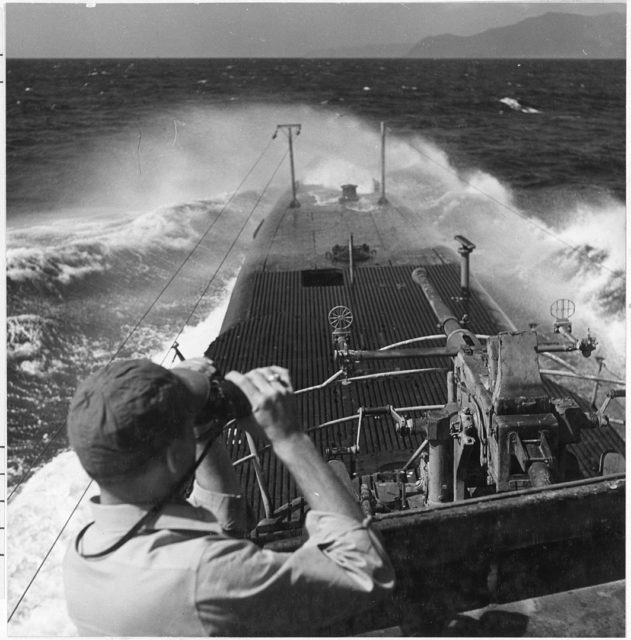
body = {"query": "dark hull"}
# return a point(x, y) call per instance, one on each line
point(496, 550)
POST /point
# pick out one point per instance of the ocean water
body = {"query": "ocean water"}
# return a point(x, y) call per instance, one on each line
point(134, 188)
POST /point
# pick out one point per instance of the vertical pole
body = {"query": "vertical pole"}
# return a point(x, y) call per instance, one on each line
point(440, 482)
point(178, 354)
point(451, 388)
point(350, 259)
point(441, 459)
point(383, 199)
point(289, 129)
point(465, 249)
point(464, 270)
point(258, 472)
point(294, 203)
point(600, 361)
point(464, 282)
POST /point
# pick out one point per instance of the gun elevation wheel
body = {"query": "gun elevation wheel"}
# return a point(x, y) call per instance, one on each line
point(340, 317)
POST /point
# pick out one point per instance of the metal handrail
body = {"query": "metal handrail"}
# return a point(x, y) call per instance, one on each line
point(388, 374)
point(327, 382)
point(415, 455)
point(560, 361)
point(438, 336)
point(330, 423)
point(566, 374)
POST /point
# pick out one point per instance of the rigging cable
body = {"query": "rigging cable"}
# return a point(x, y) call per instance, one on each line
point(190, 253)
point(516, 212)
point(39, 456)
point(63, 528)
point(41, 564)
point(234, 242)
point(138, 150)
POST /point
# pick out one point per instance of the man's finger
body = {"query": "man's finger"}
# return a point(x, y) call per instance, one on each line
point(247, 385)
point(264, 378)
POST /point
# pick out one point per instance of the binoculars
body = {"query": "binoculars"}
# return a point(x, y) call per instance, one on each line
point(225, 402)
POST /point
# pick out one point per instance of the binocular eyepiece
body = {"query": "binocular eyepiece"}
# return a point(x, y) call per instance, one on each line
point(225, 402)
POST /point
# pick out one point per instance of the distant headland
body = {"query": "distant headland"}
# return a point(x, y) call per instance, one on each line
point(552, 35)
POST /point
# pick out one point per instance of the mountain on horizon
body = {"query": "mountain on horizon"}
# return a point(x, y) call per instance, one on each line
point(552, 35)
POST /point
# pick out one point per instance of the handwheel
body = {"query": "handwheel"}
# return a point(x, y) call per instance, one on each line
point(340, 317)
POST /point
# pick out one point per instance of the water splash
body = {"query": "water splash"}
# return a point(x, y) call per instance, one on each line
point(200, 334)
point(34, 518)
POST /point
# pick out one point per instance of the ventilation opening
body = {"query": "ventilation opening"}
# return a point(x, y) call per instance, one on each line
point(322, 278)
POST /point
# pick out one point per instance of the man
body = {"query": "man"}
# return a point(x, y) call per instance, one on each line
point(154, 564)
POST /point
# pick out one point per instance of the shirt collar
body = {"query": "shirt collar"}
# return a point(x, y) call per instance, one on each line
point(184, 516)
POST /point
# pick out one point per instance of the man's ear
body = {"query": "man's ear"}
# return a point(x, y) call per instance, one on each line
point(176, 456)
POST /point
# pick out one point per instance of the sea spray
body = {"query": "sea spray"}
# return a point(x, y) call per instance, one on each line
point(193, 340)
point(526, 259)
point(35, 517)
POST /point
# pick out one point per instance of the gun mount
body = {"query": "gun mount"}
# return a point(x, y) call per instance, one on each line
point(500, 430)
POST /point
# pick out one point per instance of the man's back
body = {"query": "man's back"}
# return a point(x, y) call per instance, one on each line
point(185, 577)
point(146, 587)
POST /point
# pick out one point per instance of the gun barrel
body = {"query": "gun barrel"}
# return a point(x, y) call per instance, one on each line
point(449, 324)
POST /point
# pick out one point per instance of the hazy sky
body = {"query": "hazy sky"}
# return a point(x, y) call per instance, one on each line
point(250, 29)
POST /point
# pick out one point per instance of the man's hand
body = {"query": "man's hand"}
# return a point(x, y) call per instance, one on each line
point(271, 395)
point(270, 392)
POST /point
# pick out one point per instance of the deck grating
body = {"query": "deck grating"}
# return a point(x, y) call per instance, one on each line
point(388, 307)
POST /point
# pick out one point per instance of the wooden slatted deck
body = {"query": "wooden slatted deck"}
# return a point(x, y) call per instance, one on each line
point(388, 307)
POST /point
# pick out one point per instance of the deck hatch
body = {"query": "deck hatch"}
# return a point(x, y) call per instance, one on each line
point(322, 278)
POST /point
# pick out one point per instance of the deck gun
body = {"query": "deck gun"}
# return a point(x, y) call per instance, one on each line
point(500, 411)
point(500, 429)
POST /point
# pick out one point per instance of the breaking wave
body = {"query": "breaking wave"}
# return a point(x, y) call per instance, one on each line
point(53, 256)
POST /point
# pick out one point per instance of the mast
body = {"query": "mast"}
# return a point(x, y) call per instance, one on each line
point(383, 199)
point(289, 128)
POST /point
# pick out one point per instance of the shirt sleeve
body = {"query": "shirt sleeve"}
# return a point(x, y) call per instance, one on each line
point(245, 590)
point(232, 511)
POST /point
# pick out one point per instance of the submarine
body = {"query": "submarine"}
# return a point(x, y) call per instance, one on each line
point(499, 490)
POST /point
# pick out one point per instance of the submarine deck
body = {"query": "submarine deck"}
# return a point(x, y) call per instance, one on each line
point(279, 315)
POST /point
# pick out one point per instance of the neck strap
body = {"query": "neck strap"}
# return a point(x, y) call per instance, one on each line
point(151, 514)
